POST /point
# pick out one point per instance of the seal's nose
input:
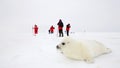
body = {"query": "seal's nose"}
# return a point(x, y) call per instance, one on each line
point(57, 47)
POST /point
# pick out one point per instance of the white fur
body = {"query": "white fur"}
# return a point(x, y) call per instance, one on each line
point(85, 50)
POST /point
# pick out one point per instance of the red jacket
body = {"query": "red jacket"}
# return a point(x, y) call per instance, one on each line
point(35, 29)
point(60, 28)
point(52, 29)
point(68, 27)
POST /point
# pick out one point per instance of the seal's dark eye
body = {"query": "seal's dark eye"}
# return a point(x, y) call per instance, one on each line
point(63, 43)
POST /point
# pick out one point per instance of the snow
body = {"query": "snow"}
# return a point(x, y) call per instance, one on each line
point(24, 50)
point(19, 48)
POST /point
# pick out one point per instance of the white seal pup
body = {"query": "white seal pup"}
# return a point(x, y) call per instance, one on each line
point(85, 50)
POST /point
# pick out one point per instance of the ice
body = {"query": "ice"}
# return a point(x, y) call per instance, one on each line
point(24, 50)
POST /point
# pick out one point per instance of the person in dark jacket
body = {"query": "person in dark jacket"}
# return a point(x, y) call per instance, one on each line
point(68, 29)
point(60, 28)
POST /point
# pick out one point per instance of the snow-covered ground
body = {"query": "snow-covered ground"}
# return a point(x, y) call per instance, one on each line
point(24, 50)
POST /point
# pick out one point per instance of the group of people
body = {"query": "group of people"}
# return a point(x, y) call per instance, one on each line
point(51, 30)
point(60, 28)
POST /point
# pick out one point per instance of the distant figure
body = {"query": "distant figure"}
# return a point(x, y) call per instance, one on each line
point(60, 28)
point(52, 29)
point(35, 28)
point(68, 29)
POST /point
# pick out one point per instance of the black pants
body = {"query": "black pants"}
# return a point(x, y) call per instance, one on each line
point(61, 33)
point(67, 32)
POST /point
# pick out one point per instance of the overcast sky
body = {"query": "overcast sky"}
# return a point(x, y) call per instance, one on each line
point(88, 15)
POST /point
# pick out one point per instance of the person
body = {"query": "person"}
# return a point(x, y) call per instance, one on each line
point(52, 29)
point(68, 29)
point(60, 28)
point(35, 28)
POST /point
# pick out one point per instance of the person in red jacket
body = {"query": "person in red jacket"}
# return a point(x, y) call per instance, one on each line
point(68, 29)
point(35, 28)
point(60, 28)
point(52, 29)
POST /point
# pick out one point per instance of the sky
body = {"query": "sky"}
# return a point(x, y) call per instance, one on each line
point(83, 15)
